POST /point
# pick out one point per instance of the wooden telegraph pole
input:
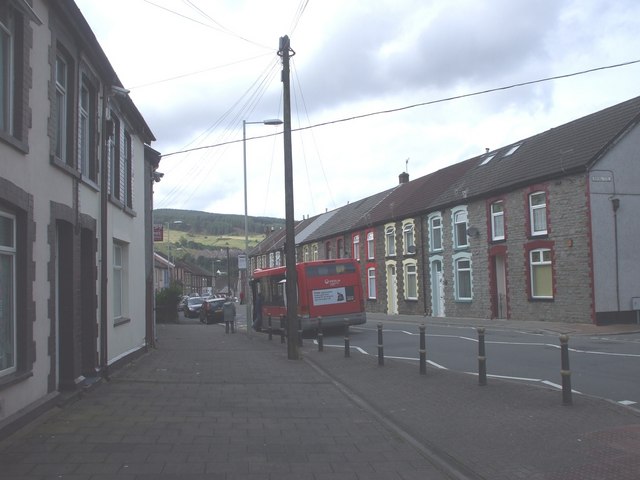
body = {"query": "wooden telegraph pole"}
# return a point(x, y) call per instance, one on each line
point(285, 51)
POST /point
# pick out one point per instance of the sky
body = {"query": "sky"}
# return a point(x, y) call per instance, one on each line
point(378, 87)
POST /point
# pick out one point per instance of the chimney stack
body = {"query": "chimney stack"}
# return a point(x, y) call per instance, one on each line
point(403, 177)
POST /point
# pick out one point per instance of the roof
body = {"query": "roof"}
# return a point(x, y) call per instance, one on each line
point(563, 150)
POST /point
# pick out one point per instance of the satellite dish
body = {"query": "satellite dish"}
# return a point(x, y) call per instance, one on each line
point(411, 249)
point(473, 232)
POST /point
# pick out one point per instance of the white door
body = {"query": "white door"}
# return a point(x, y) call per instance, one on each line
point(392, 290)
point(437, 289)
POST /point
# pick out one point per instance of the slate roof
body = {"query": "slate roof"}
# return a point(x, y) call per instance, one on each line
point(567, 149)
point(345, 219)
point(563, 150)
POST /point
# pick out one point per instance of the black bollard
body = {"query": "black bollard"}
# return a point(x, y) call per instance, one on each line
point(320, 335)
point(233, 326)
point(269, 330)
point(226, 326)
point(347, 349)
point(482, 358)
point(565, 372)
point(423, 351)
point(299, 331)
point(380, 346)
point(282, 329)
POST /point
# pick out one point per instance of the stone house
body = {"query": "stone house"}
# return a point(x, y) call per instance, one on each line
point(76, 177)
point(541, 229)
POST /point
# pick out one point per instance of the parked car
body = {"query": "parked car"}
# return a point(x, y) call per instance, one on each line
point(193, 307)
point(212, 310)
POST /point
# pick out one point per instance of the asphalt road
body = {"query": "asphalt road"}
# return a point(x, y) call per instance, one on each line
point(602, 366)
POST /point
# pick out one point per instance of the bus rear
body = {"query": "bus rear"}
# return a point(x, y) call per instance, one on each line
point(331, 290)
point(327, 289)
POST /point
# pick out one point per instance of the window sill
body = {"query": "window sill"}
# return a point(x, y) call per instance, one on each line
point(64, 167)
point(14, 142)
point(14, 378)
point(120, 321)
point(128, 210)
point(541, 300)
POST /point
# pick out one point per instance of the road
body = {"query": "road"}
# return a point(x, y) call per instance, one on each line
point(602, 366)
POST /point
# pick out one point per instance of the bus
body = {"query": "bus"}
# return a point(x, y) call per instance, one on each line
point(327, 289)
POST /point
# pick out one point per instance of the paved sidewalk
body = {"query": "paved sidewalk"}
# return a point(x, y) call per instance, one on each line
point(210, 405)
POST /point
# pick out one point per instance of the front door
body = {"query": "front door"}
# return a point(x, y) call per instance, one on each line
point(392, 290)
point(500, 288)
point(437, 289)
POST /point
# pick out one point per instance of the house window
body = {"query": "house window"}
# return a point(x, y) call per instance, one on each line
point(339, 248)
point(305, 253)
point(541, 273)
point(114, 158)
point(356, 247)
point(119, 279)
point(271, 260)
point(408, 237)
point(8, 327)
point(371, 283)
point(315, 251)
point(538, 213)
point(370, 246)
point(327, 251)
point(497, 221)
point(435, 233)
point(9, 57)
point(87, 136)
point(127, 172)
point(390, 240)
point(462, 275)
point(62, 105)
point(460, 229)
point(278, 259)
point(410, 281)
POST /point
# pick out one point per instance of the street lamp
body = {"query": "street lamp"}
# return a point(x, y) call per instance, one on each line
point(245, 284)
point(175, 222)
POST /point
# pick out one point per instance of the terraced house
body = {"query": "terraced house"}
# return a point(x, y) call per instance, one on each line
point(542, 229)
point(76, 175)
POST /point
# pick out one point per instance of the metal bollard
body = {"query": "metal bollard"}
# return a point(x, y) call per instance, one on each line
point(423, 351)
point(233, 326)
point(565, 372)
point(320, 335)
point(269, 330)
point(282, 329)
point(347, 348)
point(380, 346)
point(226, 326)
point(482, 358)
point(299, 331)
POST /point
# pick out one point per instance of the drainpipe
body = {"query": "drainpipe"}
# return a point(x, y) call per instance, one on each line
point(424, 266)
point(104, 185)
point(615, 203)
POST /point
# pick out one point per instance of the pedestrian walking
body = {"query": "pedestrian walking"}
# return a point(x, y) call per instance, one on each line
point(229, 312)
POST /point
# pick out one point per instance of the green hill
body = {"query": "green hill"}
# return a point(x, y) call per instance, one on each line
point(202, 238)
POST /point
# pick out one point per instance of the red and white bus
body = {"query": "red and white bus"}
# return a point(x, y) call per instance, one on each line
point(327, 289)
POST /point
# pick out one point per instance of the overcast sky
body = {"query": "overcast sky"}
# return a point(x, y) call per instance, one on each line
point(198, 68)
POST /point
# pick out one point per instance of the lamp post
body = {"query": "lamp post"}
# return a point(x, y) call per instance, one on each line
point(175, 222)
point(245, 283)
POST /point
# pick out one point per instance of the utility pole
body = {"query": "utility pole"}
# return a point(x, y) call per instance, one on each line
point(284, 51)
